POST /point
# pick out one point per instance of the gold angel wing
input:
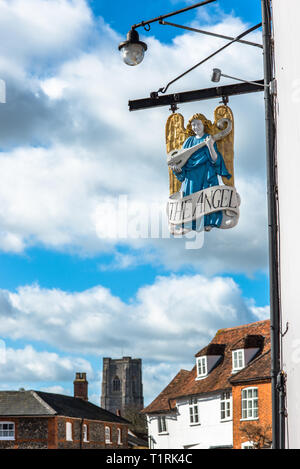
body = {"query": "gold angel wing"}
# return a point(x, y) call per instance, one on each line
point(226, 144)
point(175, 136)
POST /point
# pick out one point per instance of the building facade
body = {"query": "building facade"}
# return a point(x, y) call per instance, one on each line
point(122, 385)
point(285, 21)
point(40, 420)
point(252, 404)
point(224, 401)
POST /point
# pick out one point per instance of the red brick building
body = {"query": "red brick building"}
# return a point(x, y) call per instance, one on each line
point(253, 384)
point(41, 420)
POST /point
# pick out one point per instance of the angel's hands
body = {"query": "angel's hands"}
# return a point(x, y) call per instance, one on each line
point(210, 141)
point(210, 145)
point(176, 169)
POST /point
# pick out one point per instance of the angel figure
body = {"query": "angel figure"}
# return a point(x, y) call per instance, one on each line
point(203, 165)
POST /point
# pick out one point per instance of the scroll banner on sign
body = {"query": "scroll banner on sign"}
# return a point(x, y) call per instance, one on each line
point(213, 199)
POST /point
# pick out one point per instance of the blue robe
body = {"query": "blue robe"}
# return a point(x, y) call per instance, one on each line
point(200, 172)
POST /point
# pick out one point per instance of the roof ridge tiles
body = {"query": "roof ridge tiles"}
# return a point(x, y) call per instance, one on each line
point(42, 402)
point(243, 326)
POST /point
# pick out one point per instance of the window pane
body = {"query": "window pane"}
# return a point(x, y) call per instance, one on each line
point(235, 361)
point(226, 406)
point(107, 434)
point(68, 431)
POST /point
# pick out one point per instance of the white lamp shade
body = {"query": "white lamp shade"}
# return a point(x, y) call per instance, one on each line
point(132, 53)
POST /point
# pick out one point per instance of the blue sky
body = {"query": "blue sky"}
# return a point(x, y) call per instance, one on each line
point(68, 295)
point(127, 13)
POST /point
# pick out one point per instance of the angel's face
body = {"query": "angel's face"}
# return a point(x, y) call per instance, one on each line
point(197, 127)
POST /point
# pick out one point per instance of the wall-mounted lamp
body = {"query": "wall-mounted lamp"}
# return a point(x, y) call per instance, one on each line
point(217, 74)
point(132, 50)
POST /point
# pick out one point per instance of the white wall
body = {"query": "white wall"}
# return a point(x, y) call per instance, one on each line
point(286, 16)
point(180, 433)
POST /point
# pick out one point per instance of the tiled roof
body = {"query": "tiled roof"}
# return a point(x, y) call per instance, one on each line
point(161, 403)
point(249, 341)
point(211, 349)
point(258, 369)
point(135, 440)
point(38, 403)
point(23, 403)
point(184, 384)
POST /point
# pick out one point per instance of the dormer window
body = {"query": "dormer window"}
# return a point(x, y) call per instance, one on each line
point(238, 360)
point(244, 350)
point(201, 367)
point(207, 359)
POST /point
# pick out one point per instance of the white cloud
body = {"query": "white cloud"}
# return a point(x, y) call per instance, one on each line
point(70, 142)
point(157, 376)
point(30, 365)
point(262, 312)
point(165, 324)
point(39, 29)
point(166, 321)
point(54, 389)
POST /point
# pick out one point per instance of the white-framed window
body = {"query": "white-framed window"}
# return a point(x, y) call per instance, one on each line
point(7, 431)
point(226, 406)
point(119, 431)
point(249, 403)
point(194, 411)
point(85, 432)
point(69, 431)
point(162, 424)
point(201, 367)
point(238, 360)
point(107, 435)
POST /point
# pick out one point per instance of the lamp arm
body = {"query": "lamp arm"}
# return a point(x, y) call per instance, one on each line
point(244, 81)
point(163, 90)
point(159, 18)
point(209, 33)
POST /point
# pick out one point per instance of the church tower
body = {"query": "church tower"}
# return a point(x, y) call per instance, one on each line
point(122, 384)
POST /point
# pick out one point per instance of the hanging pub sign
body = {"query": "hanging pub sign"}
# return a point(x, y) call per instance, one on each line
point(200, 161)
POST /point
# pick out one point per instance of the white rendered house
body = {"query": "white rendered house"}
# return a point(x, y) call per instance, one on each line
point(195, 410)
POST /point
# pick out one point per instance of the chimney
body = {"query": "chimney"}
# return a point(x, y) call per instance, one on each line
point(81, 386)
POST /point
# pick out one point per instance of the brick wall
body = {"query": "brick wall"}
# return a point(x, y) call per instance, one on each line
point(30, 433)
point(43, 433)
point(95, 432)
point(264, 411)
